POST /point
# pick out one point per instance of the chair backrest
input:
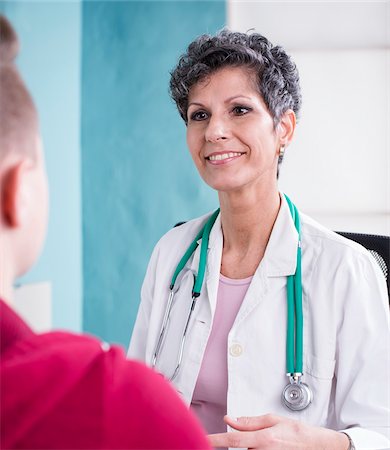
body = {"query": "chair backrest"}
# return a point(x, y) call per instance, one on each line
point(378, 246)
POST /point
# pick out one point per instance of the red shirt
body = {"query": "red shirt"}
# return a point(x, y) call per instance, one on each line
point(60, 390)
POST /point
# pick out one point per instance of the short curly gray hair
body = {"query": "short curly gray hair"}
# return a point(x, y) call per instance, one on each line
point(277, 74)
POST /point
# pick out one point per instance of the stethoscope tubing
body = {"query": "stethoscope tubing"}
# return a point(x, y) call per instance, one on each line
point(163, 327)
point(203, 234)
point(184, 338)
point(294, 345)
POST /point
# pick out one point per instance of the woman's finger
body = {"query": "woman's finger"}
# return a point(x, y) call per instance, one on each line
point(252, 423)
point(238, 439)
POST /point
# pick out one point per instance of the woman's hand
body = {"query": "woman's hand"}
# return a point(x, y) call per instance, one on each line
point(276, 432)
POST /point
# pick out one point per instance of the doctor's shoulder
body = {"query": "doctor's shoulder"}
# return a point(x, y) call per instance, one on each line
point(175, 242)
point(338, 260)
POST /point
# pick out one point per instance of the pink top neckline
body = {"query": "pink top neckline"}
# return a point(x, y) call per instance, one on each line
point(235, 281)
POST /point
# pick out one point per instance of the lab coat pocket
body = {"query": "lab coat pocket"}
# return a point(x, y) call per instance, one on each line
point(320, 368)
point(319, 376)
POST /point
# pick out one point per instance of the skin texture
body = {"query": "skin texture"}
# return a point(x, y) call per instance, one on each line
point(24, 212)
point(227, 113)
point(277, 433)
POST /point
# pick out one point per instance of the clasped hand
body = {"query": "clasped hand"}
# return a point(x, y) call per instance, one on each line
point(273, 432)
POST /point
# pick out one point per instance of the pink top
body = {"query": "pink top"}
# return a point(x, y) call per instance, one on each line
point(209, 398)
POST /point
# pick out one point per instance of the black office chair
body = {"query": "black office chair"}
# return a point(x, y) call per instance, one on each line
point(378, 246)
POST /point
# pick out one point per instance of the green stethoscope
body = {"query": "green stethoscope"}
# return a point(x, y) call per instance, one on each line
point(296, 395)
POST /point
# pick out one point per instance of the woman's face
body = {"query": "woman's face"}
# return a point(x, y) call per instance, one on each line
point(230, 133)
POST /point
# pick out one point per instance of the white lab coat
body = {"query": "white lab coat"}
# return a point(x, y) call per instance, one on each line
point(346, 327)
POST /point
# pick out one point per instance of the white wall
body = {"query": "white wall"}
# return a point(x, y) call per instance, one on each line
point(33, 303)
point(338, 168)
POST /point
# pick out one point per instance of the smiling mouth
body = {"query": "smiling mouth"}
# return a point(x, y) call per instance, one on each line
point(222, 156)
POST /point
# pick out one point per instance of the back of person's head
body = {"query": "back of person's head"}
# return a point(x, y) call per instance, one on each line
point(23, 182)
point(18, 116)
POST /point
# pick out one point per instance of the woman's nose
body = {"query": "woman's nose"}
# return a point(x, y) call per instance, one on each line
point(217, 129)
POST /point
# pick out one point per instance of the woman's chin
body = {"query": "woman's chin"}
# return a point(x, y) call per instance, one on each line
point(225, 185)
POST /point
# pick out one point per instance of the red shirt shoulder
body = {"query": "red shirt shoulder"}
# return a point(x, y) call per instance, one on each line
point(61, 390)
point(159, 418)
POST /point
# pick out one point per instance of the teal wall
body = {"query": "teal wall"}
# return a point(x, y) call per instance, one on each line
point(99, 73)
point(138, 178)
point(49, 61)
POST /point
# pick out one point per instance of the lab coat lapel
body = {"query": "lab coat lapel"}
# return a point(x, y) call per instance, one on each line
point(279, 260)
point(280, 257)
point(193, 263)
point(214, 255)
point(214, 263)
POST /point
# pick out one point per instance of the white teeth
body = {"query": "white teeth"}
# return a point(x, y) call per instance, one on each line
point(223, 156)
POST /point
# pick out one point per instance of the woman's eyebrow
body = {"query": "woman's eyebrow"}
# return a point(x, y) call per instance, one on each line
point(195, 104)
point(237, 96)
point(228, 100)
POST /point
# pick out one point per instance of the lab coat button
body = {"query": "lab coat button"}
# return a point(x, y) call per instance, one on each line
point(235, 350)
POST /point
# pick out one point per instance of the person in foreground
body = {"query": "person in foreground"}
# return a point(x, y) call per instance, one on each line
point(257, 311)
point(60, 390)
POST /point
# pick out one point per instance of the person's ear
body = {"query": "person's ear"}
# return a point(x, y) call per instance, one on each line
point(16, 194)
point(286, 128)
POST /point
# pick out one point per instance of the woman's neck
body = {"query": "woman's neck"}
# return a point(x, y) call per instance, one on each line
point(247, 221)
point(246, 217)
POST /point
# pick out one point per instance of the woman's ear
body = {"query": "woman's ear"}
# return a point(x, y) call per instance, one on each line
point(15, 194)
point(286, 128)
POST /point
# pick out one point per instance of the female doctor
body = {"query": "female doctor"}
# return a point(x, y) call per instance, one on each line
point(256, 311)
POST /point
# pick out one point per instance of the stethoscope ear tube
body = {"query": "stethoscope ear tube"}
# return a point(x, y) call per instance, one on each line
point(163, 327)
point(203, 234)
point(183, 340)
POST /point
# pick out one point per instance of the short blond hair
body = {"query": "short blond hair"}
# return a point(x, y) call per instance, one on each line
point(18, 115)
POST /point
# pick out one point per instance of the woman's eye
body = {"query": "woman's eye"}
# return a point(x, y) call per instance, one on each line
point(240, 110)
point(199, 115)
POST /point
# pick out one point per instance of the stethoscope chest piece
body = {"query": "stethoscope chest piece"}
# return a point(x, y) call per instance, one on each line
point(297, 395)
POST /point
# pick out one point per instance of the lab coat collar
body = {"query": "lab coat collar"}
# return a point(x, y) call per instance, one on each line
point(215, 244)
point(280, 257)
point(213, 268)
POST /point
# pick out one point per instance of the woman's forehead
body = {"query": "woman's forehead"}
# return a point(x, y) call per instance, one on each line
point(227, 81)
